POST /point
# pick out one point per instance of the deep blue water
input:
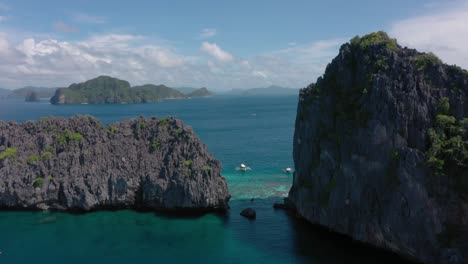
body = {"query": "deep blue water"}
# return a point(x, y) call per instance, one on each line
point(257, 131)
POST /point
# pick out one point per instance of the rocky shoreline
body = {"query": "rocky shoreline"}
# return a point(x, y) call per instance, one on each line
point(78, 164)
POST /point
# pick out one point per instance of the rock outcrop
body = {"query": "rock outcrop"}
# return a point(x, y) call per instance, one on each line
point(79, 164)
point(249, 213)
point(380, 150)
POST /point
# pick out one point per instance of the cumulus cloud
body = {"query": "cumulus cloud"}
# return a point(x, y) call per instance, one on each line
point(296, 66)
point(442, 30)
point(63, 27)
point(208, 33)
point(215, 51)
point(51, 62)
point(89, 19)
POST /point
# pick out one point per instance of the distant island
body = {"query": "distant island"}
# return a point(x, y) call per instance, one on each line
point(24, 92)
point(270, 90)
point(41, 92)
point(32, 97)
point(109, 90)
point(202, 92)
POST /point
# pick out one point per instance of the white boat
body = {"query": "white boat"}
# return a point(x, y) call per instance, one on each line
point(288, 170)
point(243, 167)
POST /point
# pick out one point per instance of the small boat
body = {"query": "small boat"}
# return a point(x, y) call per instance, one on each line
point(288, 170)
point(243, 167)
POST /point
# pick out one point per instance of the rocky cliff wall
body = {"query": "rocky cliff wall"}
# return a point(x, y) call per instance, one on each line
point(79, 164)
point(380, 150)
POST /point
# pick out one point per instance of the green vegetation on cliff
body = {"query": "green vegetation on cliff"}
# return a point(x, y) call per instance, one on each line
point(67, 137)
point(8, 153)
point(448, 146)
point(375, 38)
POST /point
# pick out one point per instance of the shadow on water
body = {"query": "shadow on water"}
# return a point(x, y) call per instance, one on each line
point(126, 236)
point(282, 233)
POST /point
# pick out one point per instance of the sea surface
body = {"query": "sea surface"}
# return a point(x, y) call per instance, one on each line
point(257, 131)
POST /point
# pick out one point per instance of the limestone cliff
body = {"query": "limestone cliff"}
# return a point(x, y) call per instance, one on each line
point(380, 150)
point(79, 164)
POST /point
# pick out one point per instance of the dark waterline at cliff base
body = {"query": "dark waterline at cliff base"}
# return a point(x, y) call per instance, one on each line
point(254, 130)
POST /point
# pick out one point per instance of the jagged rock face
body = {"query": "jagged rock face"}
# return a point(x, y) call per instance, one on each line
point(360, 151)
point(79, 164)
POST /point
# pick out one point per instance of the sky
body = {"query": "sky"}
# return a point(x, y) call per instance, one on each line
point(216, 44)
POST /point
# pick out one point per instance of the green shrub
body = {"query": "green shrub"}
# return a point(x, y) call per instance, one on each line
point(445, 121)
point(67, 137)
point(448, 150)
point(61, 138)
point(188, 162)
point(375, 38)
point(206, 168)
point(163, 121)
point(8, 153)
point(38, 182)
point(425, 60)
point(443, 106)
point(76, 137)
point(50, 177)
point(33, 159)
point(113, 129)
point(48, 148)
point(457, 69)
point(47, 155)
point(464, 123)
point(142, 125)
point(154, 145)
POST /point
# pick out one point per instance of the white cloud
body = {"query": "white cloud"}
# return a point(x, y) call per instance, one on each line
point(3, 18)
point(208, 33)
point(215, 51)
point(443, 30)
point(89, 19)
point(45, 61)
point(62, 27)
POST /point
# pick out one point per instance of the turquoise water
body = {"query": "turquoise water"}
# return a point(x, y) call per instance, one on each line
point(257, 131)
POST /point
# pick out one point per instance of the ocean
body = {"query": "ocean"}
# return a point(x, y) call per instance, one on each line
point(256, 130)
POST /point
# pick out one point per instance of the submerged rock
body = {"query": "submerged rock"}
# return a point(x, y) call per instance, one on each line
point(380, 150)
point(79, 164)
point(249, 213)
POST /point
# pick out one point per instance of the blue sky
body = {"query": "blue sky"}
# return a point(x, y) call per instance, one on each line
point(219, 44)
